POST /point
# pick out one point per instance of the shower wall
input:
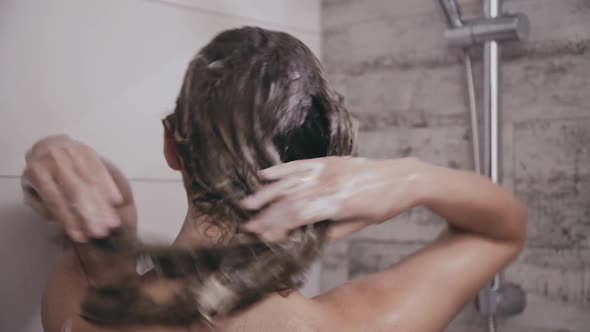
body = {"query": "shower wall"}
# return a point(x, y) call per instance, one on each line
point(391, 62)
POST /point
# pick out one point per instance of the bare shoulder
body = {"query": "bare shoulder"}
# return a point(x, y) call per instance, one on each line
point(63, 290)
point(66, 288)
point(424, 291)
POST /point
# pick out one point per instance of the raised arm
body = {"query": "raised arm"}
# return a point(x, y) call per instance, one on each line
point(426, 290)
point(67, 182)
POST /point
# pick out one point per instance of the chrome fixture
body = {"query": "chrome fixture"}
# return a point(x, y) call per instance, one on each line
point(494, 27)
point(474, 32)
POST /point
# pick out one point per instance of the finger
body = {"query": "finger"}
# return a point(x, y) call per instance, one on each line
point(304, 208)
point(271, 192)
point(92, 170)
point(107, 193)
point(53, 200)
point(108, 217)
point(268, 218)
point(282, 214)
point(96, 214)
point(274, 235)
point(294, 167)
point(83, 202)
point(104, 195)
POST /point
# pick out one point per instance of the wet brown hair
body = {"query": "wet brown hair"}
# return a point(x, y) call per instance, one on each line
point(251, 98)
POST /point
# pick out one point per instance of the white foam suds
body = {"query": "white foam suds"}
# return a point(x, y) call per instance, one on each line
point(143, 265)
point(67, 327)
point(328, 206)
point(215, 64)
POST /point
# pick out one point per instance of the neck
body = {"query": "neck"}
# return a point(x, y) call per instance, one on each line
point(197, 230)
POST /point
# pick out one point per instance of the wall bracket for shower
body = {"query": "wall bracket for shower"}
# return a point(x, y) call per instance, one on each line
point(496, 299)
point(514, 27)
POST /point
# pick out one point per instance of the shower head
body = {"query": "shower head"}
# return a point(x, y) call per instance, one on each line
point(452, 12)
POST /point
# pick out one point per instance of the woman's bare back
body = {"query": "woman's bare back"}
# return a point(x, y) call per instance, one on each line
point(422, 293)
point(405, 297)
point(67, 286)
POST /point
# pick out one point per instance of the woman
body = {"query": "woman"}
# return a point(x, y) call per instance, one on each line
point(265, 147)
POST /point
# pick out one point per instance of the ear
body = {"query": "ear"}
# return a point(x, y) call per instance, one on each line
point(171, 153)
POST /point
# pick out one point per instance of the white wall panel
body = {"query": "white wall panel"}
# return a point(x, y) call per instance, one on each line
point(107, 71)
point(301, 15)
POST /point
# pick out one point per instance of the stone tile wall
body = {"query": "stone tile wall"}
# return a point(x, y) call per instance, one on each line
point(391, 62)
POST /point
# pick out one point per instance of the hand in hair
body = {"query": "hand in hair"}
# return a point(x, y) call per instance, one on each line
point(333, 188)
point(67, 182)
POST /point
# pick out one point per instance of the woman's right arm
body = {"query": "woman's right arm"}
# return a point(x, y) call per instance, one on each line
point(67, 182)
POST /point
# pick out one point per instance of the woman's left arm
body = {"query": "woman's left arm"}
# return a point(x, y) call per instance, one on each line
point(353, 192)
